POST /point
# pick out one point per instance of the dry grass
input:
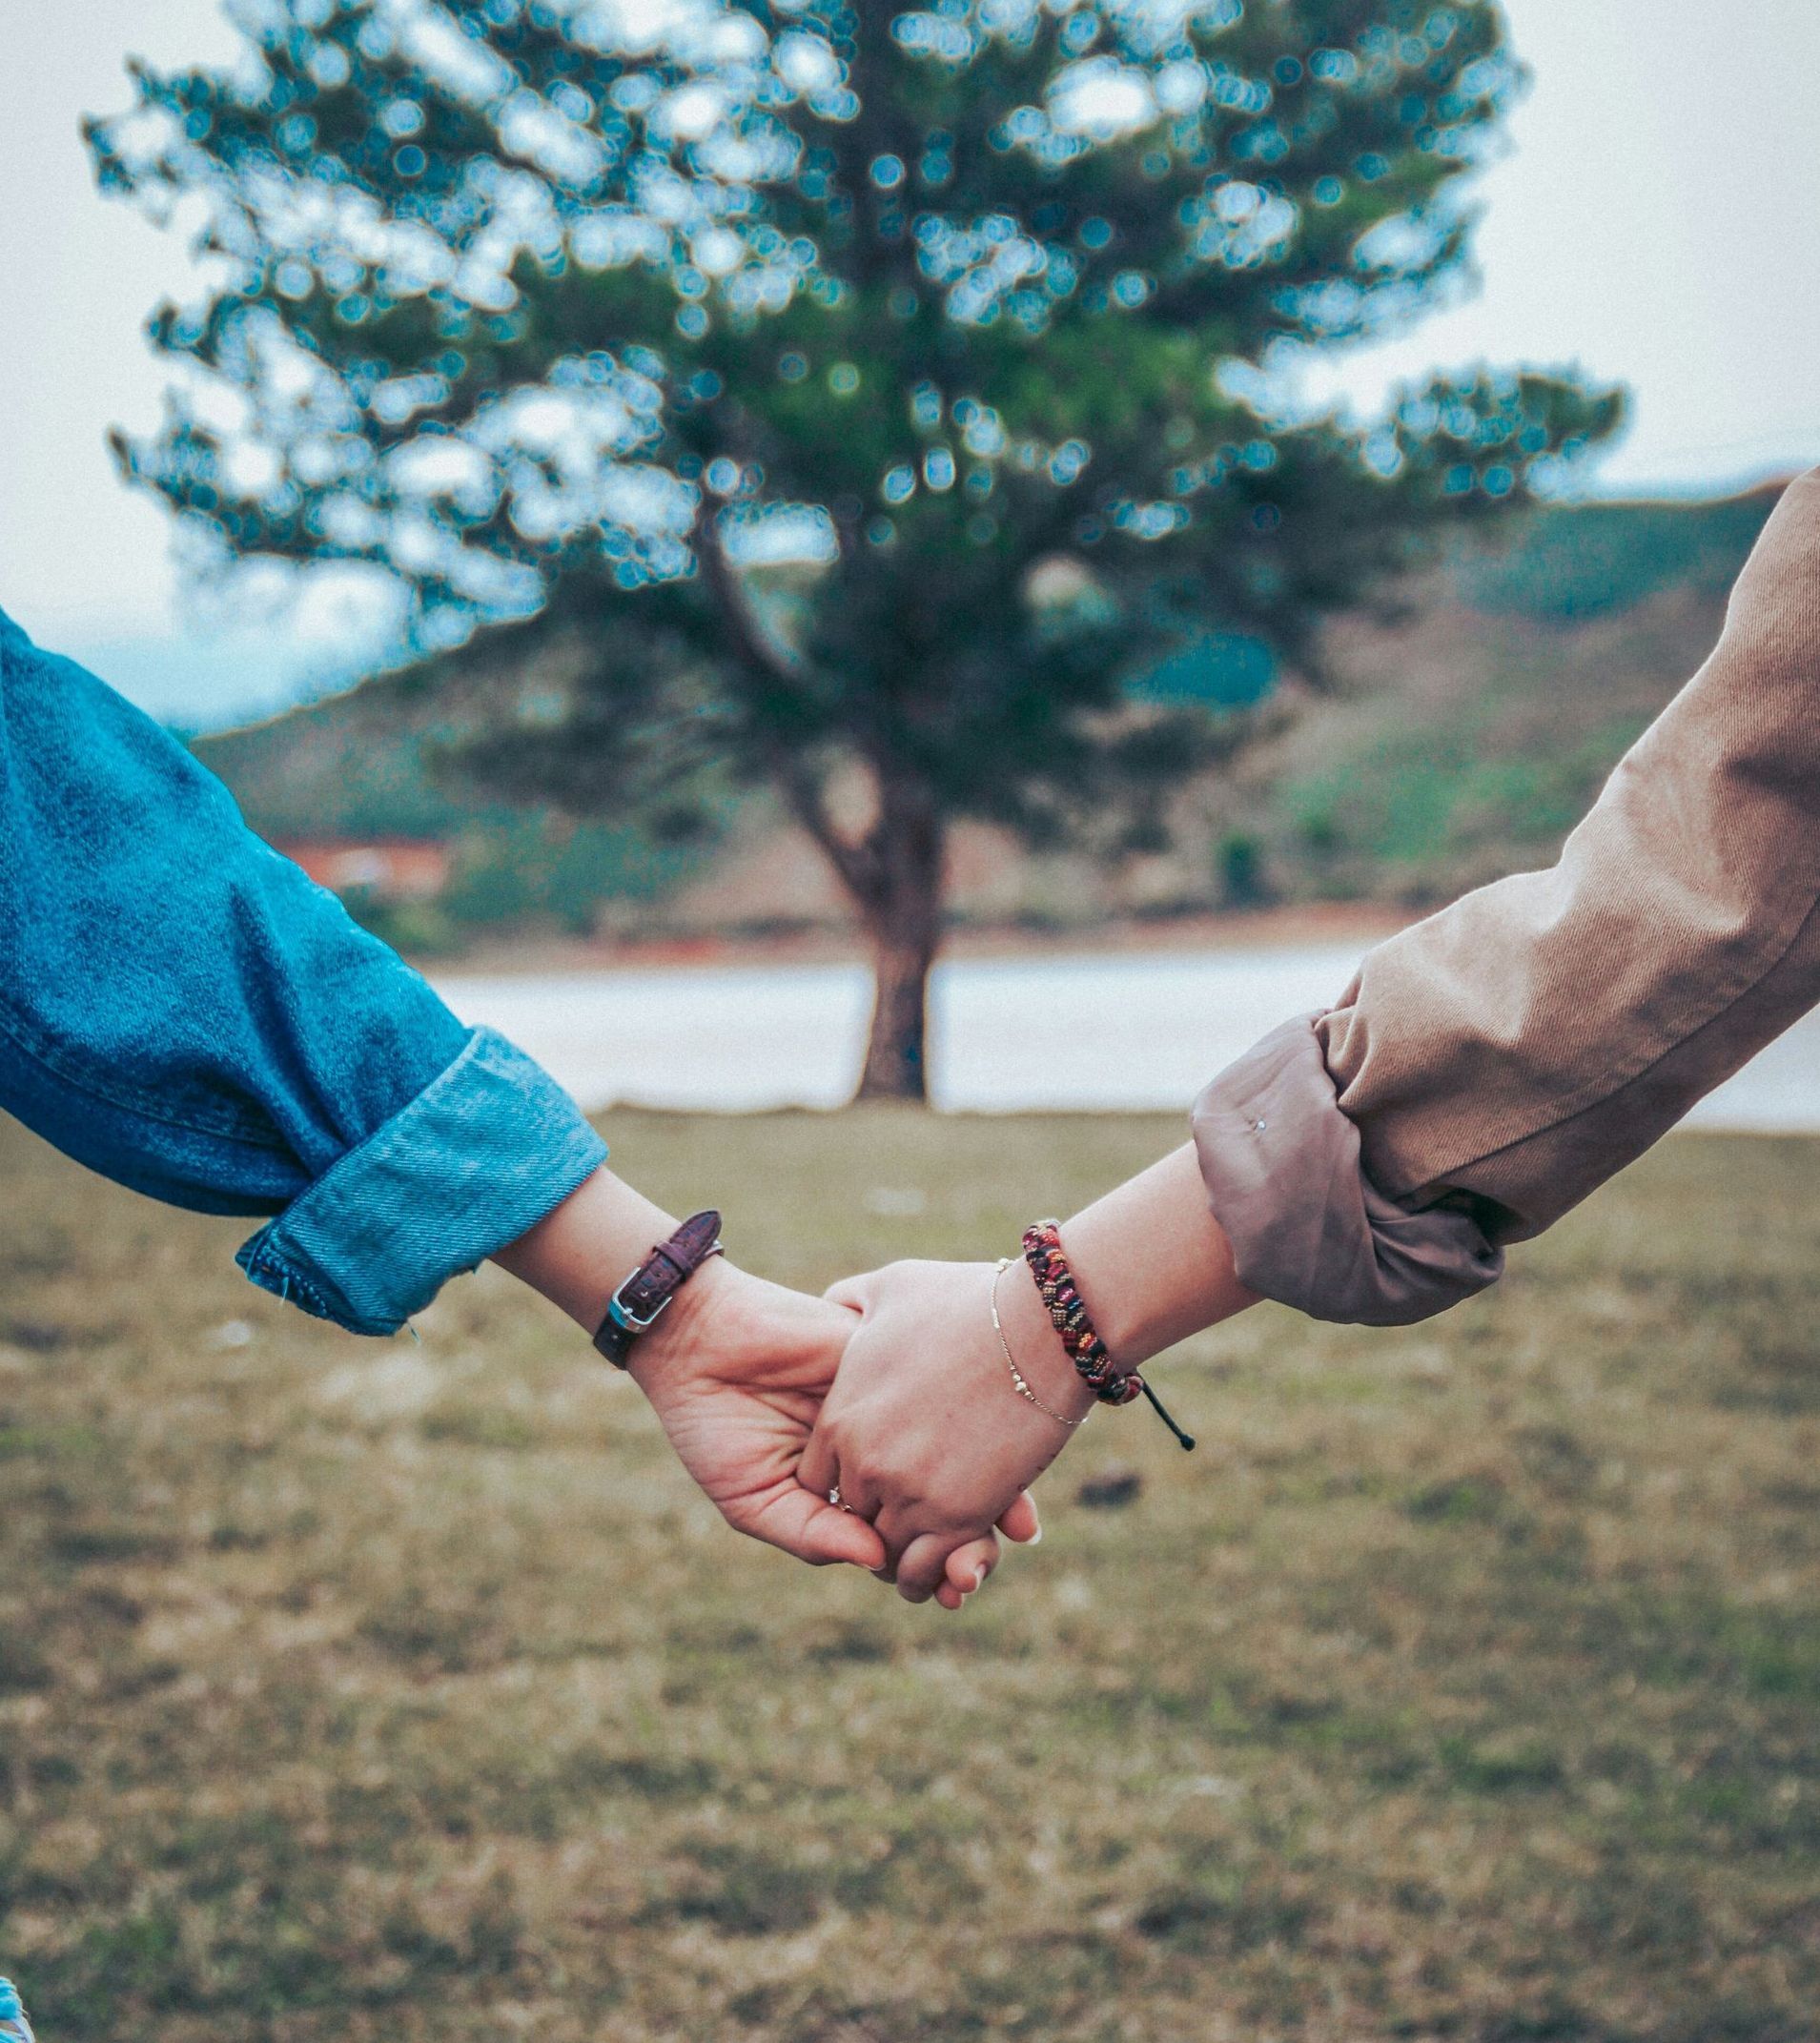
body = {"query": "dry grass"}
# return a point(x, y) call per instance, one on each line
point(1463, 1685)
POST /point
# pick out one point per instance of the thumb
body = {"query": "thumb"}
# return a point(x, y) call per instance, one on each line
point(815, 1530)
point(1021, 1523)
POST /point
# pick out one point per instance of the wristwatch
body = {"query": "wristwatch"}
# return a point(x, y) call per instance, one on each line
point(646, 1296)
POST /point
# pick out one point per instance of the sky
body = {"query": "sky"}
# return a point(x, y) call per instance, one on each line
point(1656, 219)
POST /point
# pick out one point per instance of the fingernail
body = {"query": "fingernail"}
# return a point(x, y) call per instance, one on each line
point(1035, 1539)
point(979, 1577)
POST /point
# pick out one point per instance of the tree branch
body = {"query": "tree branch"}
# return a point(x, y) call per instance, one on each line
point(763, 656)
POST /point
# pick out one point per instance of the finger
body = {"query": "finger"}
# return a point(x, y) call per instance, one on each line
point(1021, 1524)
point(815, 1530)
point(968, 1566)
point(952, 1596)
point(887, 1570)
point(820, 1468)
point(855, 1293)
point(899, 1522)
point(921, 1564)
point(895, 1524)
point(819, 1472)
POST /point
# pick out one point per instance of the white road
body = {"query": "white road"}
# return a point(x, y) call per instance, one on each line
point(1077, 1033)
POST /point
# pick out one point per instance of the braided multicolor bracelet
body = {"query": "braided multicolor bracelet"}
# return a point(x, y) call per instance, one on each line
point(1068, 1312)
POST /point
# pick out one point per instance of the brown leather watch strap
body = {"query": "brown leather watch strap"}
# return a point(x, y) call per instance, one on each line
point(647, 1294)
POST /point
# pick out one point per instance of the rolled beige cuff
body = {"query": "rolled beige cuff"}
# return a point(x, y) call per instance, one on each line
point(1307, 1227)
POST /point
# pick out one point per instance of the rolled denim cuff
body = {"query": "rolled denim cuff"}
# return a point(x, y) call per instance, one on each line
point(488, 1149)
point(1307, 1227)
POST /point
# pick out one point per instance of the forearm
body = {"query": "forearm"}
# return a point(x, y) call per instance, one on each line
point(1151, 1262)
point(578, 1252)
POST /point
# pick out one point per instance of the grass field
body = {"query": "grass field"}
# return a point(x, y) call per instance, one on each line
point(1464, 1685)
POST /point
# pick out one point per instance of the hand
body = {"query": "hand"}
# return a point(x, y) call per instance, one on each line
point(925, 1431)
point(736, 1370)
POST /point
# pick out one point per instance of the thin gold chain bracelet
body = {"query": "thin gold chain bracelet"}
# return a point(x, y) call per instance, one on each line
point(1024, 1389)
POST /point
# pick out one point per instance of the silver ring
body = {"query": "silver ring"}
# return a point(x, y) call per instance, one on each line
point(834, 1498)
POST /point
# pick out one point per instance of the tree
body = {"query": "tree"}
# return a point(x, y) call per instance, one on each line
point(580, 316)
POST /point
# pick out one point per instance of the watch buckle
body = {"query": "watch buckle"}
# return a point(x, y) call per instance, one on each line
point(622, 1316)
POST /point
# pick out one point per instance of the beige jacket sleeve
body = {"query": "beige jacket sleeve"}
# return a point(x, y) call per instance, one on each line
point(1489, 1067)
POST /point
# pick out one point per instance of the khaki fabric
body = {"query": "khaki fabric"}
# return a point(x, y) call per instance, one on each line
point(1490, 1067)
point(1307, 1225)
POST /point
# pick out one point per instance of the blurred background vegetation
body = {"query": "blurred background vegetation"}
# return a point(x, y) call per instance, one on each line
point(888, 411)
point(1463, 738)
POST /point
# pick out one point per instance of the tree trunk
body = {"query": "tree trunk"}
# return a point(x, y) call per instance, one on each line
point(902, 907)
point(894, 1057)
point(894, 876)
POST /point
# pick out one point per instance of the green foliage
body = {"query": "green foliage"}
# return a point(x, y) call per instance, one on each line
point(1504, 698)
point(537, 314)
point(517, 868)
point(1240, 863)
point(1224, 669)
point(1594, 559)
point(1416, 802)
point(1485, 742)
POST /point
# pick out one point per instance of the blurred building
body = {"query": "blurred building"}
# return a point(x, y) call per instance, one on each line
point(376, 868)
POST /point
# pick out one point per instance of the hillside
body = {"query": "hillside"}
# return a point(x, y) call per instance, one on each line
point(1464, 740)
point(1470, 737)
point(362, 766)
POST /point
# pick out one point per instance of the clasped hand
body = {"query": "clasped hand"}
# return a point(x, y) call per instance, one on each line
point(897, 1423)
point(879, 1426)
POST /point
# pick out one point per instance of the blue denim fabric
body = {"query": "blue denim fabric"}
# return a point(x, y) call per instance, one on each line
point(14, 2025)
point(182, 1009)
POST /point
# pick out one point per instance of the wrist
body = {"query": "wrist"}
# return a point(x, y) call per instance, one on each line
point(712, 1292)
point(1049, 1264)
point(1151, 1263)
point(1116, 1309)
point(580, 1253)
point(1037, 1347)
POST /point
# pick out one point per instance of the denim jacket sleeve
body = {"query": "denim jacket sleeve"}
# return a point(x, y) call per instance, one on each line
point(183, 1011)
